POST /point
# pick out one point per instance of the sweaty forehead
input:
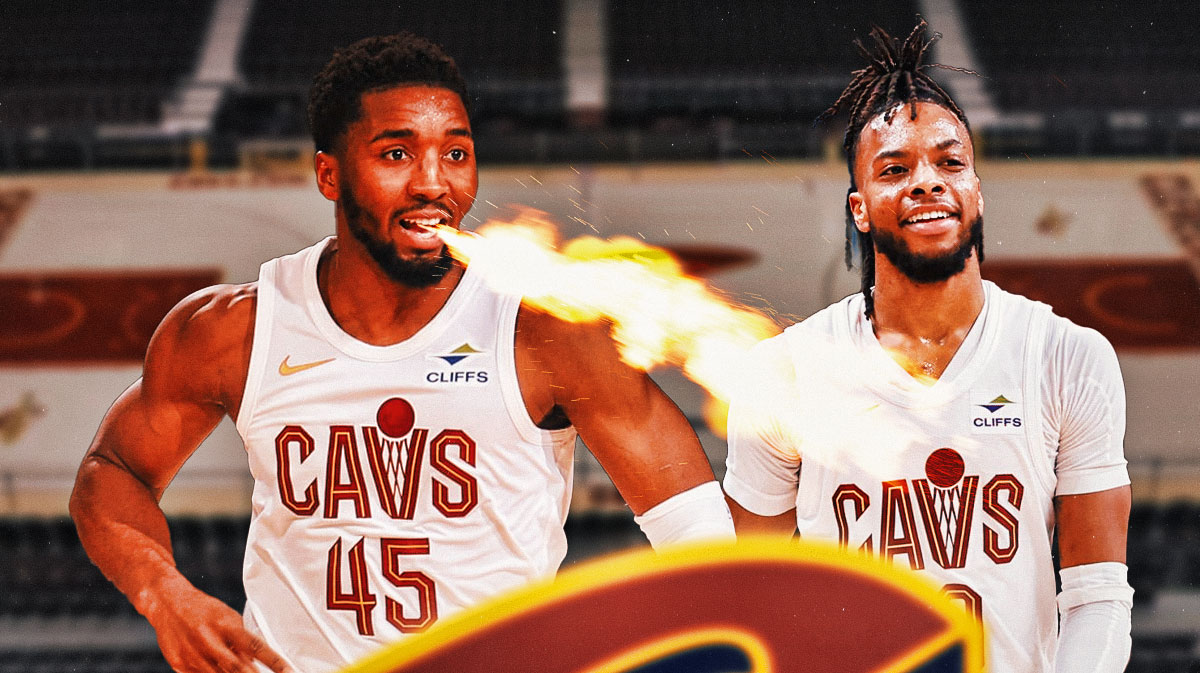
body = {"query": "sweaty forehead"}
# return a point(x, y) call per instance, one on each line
point(934, 126)
point(416, 105)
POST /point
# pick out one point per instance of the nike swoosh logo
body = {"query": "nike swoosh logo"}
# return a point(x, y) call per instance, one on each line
point(286, 369)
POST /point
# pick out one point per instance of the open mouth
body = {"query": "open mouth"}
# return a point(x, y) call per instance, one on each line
point(424, 224)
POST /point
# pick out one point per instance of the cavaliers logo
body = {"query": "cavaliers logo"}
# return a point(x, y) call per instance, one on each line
point(760, 606)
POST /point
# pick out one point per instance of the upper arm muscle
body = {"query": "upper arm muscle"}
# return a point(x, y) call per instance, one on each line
point(636, 432)
point(1092, 527)
point(194, 370)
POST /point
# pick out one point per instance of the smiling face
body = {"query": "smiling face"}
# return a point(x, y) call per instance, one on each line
point(404, 167)
point(918, 194)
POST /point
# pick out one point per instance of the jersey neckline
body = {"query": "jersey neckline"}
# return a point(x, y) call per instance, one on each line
point(362, 350)
point(887, 378)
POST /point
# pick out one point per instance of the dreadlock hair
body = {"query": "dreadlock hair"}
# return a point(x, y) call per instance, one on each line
point(373, 64)
point(895, 76)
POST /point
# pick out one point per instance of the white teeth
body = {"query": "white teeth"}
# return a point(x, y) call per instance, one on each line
point(425, 222)
point(925, 217)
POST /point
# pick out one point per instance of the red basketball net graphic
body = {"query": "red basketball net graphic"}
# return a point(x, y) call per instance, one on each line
point(944, 468)
point(395, 419)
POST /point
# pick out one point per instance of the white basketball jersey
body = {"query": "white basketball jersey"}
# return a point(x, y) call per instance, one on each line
point(954, 479)
point(393, 485)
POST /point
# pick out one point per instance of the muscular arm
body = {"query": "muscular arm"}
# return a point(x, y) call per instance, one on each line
point(1092, 504)
point(1094, 632)
point(636, 432)
point(194, 370)
point(1092, 526)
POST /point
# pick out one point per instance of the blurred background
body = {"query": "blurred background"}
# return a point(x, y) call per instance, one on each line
point(152, 147)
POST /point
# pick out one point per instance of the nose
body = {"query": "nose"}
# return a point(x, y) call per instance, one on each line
point(429, 182)
point(926, 180)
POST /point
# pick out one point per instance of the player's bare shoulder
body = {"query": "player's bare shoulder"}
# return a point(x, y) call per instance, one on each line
point(201, 349)
point(566, 347)
point(560, 362)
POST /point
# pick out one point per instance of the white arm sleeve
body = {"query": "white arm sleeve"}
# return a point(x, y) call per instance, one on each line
point(1085, 411)
point(1094, 612)
point(698, 513)
point(763, 466)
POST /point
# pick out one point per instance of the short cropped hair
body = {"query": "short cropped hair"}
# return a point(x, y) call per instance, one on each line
point(374, 64)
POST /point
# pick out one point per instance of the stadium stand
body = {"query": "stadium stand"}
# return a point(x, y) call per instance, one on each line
point(1052, 57)
point(287, 42)
point(686, 80)
point(65, 63)
point(1114, 80)
point(744, 61)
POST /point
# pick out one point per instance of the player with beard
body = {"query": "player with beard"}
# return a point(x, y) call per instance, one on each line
point(935, 420)
point(410, 431)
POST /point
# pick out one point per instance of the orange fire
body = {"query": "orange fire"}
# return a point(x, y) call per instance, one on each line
point(659, 315)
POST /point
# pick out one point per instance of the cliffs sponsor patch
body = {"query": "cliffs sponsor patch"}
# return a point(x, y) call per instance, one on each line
point(995, 413)
point(452, 374)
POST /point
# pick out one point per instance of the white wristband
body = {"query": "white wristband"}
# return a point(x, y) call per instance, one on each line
point(1094, 582)
point(698, 513)
point(1094, 618)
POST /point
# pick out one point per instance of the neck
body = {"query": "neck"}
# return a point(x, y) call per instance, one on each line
point(929, 310)
point(367, 303)
point(922, 325)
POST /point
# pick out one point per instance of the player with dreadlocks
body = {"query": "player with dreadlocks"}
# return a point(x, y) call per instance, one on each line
point(942, 422)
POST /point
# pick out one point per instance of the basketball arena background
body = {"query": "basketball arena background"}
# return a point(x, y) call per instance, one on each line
point(150, 147)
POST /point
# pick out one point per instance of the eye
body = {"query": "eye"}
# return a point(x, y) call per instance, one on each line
point(396, 154)
point(457, 154)
point(893, 169)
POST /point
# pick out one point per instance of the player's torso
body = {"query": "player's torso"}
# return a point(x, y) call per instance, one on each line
point(953, 480)
point(393, 485)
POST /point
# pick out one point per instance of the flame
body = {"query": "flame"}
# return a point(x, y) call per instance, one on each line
point(659, 315)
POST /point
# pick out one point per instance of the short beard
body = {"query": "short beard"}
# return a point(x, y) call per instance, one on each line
point(417, 273)
point(921, 268)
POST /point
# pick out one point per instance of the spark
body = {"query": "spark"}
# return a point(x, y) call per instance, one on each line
point(660, 316)
point(535, 180)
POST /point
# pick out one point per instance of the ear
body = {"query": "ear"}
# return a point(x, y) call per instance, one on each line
point(980, 203)
point(858, 211)
point(326, 167)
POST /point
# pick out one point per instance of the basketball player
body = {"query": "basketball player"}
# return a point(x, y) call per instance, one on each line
point(936, 420)
point(409, 430)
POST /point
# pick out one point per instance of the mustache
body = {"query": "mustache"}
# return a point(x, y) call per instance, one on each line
point(437, 205)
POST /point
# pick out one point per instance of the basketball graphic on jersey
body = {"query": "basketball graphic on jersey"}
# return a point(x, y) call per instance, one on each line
point(944, 467)
point(395, 418)
point(946, 501)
